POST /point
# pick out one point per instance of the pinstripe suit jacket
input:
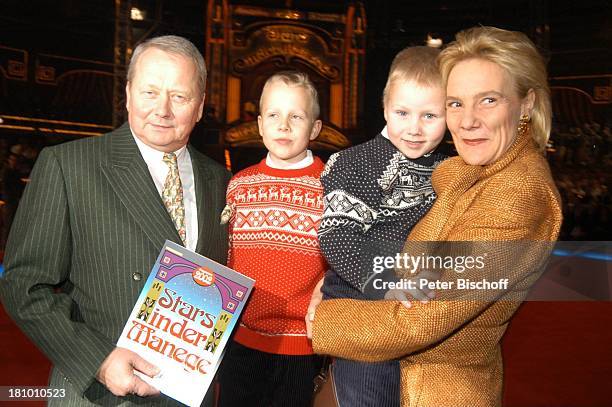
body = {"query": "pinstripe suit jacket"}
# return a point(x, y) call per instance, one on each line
point(90, 223)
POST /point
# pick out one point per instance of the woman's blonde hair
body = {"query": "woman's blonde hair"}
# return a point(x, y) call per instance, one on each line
point(518, 56)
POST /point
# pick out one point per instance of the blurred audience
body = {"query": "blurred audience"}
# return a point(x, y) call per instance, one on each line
point(581, 161)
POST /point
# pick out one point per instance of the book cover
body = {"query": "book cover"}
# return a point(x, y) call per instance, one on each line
point(182, 320)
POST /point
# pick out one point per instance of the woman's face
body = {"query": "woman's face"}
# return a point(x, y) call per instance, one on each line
point(483, 110)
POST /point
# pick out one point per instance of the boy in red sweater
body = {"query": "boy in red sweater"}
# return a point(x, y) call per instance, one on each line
point(275, 208)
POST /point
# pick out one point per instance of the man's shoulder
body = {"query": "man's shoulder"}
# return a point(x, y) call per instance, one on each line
point(209, 168)
point(203, 159)
point(87, 146)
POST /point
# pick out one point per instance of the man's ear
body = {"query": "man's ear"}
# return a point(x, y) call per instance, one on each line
point(127, 96)
point(201, 108)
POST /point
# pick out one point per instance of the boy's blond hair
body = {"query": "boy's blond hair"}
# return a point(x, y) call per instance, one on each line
point(295, 78)
point(416, 64)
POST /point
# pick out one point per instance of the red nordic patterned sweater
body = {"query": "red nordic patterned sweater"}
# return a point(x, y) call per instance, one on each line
point(273, 239)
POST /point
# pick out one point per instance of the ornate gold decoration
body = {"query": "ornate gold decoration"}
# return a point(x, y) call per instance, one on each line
point(286, 51)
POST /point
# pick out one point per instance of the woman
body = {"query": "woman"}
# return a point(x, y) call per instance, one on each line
point(498, 189)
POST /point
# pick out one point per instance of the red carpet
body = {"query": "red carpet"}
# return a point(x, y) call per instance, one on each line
point(559, 354)
point(21, 363)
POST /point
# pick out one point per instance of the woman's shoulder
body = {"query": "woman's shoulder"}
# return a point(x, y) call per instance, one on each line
point(528, 172)
point(525, 189)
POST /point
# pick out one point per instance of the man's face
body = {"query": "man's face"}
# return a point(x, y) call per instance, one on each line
point(163, 100)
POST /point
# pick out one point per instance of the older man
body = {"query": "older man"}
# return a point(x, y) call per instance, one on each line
point(94, 217)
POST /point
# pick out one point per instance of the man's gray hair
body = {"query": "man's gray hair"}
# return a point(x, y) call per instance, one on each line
point(172, 44)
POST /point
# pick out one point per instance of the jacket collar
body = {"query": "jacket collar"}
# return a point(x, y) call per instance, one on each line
point(131, 181)
point(455, 176)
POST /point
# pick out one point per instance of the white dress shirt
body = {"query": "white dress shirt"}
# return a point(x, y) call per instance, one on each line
point(303, 163)
point(159, 171)
point(385, 133)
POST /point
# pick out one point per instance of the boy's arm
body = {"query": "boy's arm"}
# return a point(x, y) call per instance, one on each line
point(228, 216)
point(350, 210)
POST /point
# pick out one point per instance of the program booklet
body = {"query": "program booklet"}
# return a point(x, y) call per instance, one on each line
point(182, 320)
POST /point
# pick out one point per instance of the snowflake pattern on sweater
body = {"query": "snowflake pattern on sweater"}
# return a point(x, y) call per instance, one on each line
point(374, 195)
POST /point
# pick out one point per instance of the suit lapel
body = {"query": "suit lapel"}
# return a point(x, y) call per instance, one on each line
point(204, 201)
point(131, 181)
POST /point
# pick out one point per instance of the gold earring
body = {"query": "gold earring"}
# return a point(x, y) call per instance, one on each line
point(523, 126)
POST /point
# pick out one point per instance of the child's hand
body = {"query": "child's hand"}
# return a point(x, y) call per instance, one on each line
point(315, 300)
point(421, 294)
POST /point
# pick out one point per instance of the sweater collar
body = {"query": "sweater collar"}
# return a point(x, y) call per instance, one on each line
point(314, 169)
point(303, 163)
point(520, 144)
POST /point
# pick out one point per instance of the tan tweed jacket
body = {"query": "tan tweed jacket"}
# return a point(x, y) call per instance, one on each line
point(450, 349)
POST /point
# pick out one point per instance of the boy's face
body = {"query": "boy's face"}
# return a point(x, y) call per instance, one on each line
point(286, 123)
point(415, 116)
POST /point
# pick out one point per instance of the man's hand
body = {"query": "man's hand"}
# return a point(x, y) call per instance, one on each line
point(117, 374)
point(315, 300)
point(419, 294)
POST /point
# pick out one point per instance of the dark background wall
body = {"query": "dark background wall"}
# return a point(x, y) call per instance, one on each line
point(576, 36)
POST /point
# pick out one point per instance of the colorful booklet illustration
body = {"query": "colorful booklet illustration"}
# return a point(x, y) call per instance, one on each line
point(182, 320)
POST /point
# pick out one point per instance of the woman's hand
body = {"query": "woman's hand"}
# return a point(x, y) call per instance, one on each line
point(315, 300)
point(423, 294)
